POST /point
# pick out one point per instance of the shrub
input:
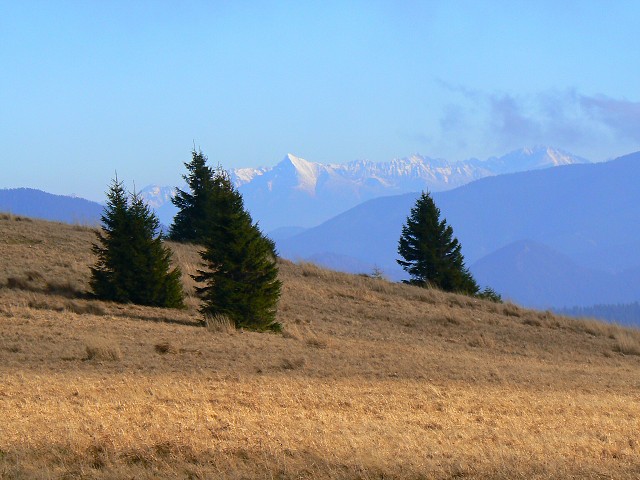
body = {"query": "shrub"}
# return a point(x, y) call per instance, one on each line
point(490, 294)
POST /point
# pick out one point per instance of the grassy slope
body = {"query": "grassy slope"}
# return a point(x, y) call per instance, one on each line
point(369, 380)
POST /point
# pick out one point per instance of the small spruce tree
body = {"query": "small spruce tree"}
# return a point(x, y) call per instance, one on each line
point(241, 275)
point(431, 254)
point(133, 264)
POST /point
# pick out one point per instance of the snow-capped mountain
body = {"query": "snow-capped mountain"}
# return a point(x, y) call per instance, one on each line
point(156, 196)
point(302, 193)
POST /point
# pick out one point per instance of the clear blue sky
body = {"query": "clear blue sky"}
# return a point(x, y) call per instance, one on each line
point(91, 87)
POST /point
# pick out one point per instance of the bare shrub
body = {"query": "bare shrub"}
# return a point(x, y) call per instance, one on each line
point(102, 349)
point(219, 324)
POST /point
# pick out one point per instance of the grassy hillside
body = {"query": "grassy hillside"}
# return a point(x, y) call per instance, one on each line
point(369, 380)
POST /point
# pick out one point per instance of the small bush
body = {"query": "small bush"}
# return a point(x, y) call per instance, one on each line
point(165, 347)
point(490, 294)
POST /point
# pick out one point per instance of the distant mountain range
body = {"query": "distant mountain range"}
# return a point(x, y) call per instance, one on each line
point(300, 193)
point(29, 202)
point(547, 238)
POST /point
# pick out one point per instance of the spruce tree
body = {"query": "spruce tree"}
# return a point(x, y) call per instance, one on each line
point(241, 276)
point(431, 254)
point(191, 222)
point(133, 264)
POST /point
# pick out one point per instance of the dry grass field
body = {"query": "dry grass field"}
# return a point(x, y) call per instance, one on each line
point(370, 380)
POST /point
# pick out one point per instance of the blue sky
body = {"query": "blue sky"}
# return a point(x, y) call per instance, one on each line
point(88, 88)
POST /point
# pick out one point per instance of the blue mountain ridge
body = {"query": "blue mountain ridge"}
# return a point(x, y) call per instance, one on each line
point(587, 213)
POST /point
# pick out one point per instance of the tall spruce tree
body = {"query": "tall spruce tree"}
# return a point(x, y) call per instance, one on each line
point(191, 222)
point(431, 254)
point(133, 264)
point(241, 275)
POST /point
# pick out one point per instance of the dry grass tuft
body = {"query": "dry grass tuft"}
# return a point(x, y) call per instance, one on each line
point(293, 363)
point(64, 288)
point(15, 218)
point(219, 324)
point(627, 342)
point(85, 308)
point(98, 348)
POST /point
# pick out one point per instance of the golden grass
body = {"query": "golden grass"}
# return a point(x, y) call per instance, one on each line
point(369, 379)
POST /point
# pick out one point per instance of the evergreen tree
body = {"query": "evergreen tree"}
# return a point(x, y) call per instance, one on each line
point(133, 264)
point(241, 279)
point(431, 254)
point(191, 221)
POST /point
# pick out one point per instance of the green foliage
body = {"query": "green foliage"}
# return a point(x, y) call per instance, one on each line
point(133, 264)
point(489, 293)
point(431, 254)
point(190, 223)
point(241, 275)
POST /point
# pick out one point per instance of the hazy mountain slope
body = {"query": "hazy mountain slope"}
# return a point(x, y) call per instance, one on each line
point(578, 210)
point(367, 233)
point(537, 276)
point(623, 314)
point(35, 203)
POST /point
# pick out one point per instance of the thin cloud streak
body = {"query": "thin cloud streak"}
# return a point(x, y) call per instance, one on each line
point(585, 125)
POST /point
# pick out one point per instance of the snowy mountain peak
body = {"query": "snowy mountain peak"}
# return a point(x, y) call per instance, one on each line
point(242, 176)
point(156, 196)
point(531, 158)
point(306, 173)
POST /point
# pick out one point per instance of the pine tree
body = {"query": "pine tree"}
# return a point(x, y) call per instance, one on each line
point(190, 223)
point(133, 264)
point(241, 279)
point(431, 254)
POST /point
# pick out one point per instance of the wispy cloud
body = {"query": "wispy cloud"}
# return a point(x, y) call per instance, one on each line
point(621, 116)
point(592, 126)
